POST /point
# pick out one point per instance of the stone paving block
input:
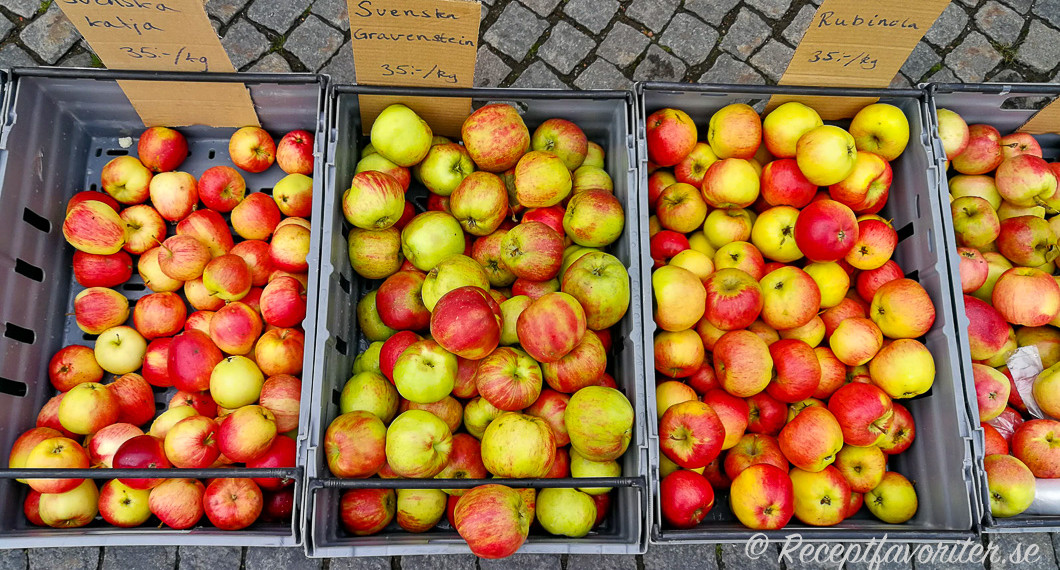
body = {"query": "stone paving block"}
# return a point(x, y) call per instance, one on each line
point(515, 31)
point(5, 26)
point(455, 562)
point(893, 557)
point(652, 13)
point(1006, 76)
point(333, 12)
point(947, 557)
point(541, 7)
point(773, 59)
point(341, 68)
point(1048, 10)
point(224, 10)
point(949, 25)
point(139, 558)
point(921, 60)
point(1021, 6)
point(900, 81)
point(689, 38)
point(244, 43)
point(276, 16)
point(745, 35)
point(271, 63)
point(728, 70)
point(601, 75)
point(209, 557)
point(658, 65)
point(490, 69)
point(1024, 551)
point(970, 3)
point(1040, 49)
point(82, 558)
point(365, 563)
point(944, 75)
point(539, 75)
point(999, 22)
point(13, 56)
point(771, 8)
point(313, 42)
point(601, 562)
point(667, 557)
point(565, 48)
point(735, 557)
point(797, 28)
point(523, 562)
point(975, 57)
point(594, 15)
point(24, 8)
point(50, 35)
point(261, 558)
point(623, 45)
point(13, 560)
point(712, 11)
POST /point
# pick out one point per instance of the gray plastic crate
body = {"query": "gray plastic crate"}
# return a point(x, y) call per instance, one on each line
point(940, 460)
point(60, 127)
point(607, 118)
point(1006, 107)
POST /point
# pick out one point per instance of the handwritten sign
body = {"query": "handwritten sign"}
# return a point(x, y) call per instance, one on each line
point(419, 43)
point(1045, 121)
point(167, 35)
point(852, 43)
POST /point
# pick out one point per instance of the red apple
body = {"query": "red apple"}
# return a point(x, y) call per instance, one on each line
point(466, 322)
point(156, 363)
point(93, 270)
point(826, 230)
point(191, 358)
point(280, 351)
point(783, 184)
point(253, 150)
point(159, 315)
point(281, 453)
point(142, 451)
point(691, 434)
point(136, 401)
point(493, 519)
point(754, 449)
point(864, 413)
point(178, 502)
point(671, 135)
point(282, 395)
point(73, 365)
point(232, 504)
point(294, 153)
point(208, 227)
point(685, 498)
point(161, 149)
point(798, 371)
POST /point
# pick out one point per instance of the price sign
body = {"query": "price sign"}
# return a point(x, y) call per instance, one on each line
point(852, 43)
point(167, 35)
point(1045, 121)
point(419, 43)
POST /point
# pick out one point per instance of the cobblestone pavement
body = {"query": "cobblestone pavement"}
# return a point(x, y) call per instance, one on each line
point(581, 44)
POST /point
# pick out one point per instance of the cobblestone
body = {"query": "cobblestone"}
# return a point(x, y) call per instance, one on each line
point(84, 558)
point(623, 45)
point(139, 558)
point(24, 8)
point(209, 557)
point(523, 562)
point(565, 48)
point(999, 22)
point(515, 31)
point(455, 562)
point(279, 559)
point(660, 66)
point(773, 59)
point(920, 61)
point(889, 564)
point(13, 560)
point(13, 56)
point(1048, 10)
point(271, 63)
point(949, 25)
point(224, 10)
point(244, 43)
point(771, 8)
point(745, 35)
point(313, 42)
point(974, 58)
point(799, 24)
point(652, 13)
point(539, 75)
point(729, 70)
point(712, 11)
point(668, 557)
point(276, 16)
point(1021, 6)
point(341, 68)
point(542, 7)
point(1015, 551)
point(50, 35)
point(490, 69)
point(689, 38)
point(333, 12)
point(1041, 48)
point(601, 75)
point(365, 563)
point(593, 14)
point(600, 562)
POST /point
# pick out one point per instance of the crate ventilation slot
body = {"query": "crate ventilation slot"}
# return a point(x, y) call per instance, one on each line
point(344, 283)
point(266, 191)
point(340, 345)
point(905, 231)
point(99, 152)
point(117, 152)
point(89, 337)
point(92, 187)
point(134, 287)
point(36, 220)
point(914, 275)
point(20, 334)
point(29, 271)
point(13, 388)
point(211, 154)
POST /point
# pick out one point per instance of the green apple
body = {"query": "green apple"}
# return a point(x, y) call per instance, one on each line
point(120, 350)
point(510, 311)
point(517, 445)
point(419, 510)
point(599, 421)
point(368, 319)
point(594, 218)
point(400, 135)
point(431, 237)
point(478, 414)
point(371, 392)
point(599, 282)
point(582, 467)
point(236, 382)
point(453, 272)
point(425, 372)
point(566, 512)
point(368, 361)
point(893, 500)
point(445, 167)
point(418, 444)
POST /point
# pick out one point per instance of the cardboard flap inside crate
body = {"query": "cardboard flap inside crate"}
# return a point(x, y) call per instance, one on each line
point(938, 460)
point(59, 129)
point(606, 118)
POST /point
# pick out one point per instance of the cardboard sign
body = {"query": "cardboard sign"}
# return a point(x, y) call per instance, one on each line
point(166, 35)
point(852, 43)
point(1045, 121)
point(417, 43)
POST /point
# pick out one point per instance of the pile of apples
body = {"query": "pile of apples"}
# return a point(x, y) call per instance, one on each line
point(1001, 192)
point(786, 334)
point(233, 362)
point(483, 324)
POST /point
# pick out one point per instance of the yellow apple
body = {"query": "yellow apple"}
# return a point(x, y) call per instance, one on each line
point(882, 129)
point(831, 279)
point(826, 155)
point(784, 125)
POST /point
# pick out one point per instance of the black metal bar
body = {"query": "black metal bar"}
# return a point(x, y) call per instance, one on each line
point(471, 483)
point(997, 88)
point(171, 473)
point(727, 89)
point(895, 534)
point(481, 92)
point(195, 76)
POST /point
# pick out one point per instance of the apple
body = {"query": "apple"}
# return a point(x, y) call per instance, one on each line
point(293, 195)
point(979, 186)
point(419, 510)
point(551, 326)
point(832, 280)
point(983, 153)
point(152, 275)
point(902, 309)
point(465, 387)
point(509, 379)
point(735, 131)
point(294, 152)
point(862, 467)
point(364, 512)
point(894, 500)
point(856, 341)
point(371, 392)
point(256, 217)
point(694, 434)
point(183, 257)
point(566, 512)
point(479, 203)
point(680, 298)
point(773, 234)
point(418, 444)
point(200, 402)
point(1027, 241)
point(783, 184)
point(91, 270)
point(665, 244)
point(826, 230)
point(812, 333)
point(992, 391)
point(235, 382)
point(1035, 444)
point(671, 135)
point(731, 183)
point(126, 180)
point(162, 149)
point(762, 497)
point(766, 415)
point(1018, 284)
point(660, 179)
point(685, 498)
point(1025, 181)
point(882, 129)
point(354, 444)
point(431, 237)
point(733, 413)
point(753, 449)
point(159, 315)
point(811, 439)
point(94, 227)
point(92, 196)
point(289, 248)
point(135, 400)
point(444, 168)
point(599, 422)
point(797, 371)
point(280, 351)
point(374, 201)
point(1012, 485)
point(252, 149)
point(191, 358)
point(392, 349)
point(790, 298)
point(375, 254)
point(541, 180)
point(192, 443)
point(145, 452)
point(742, 363)
point(246, 433)
point(740, 255)
point(826, 155)
point(677, 354)
point(56, 452)
point(145, 228)
point(903, 369)
point(123, 506)
point(600, 283)
point(784, 126)
point(866, 189)
point(690, 170)
point(562, 138)
point(478, 413)
point(487, 252)
point(517, 445)
point(864, 413)
point(221, 188)
point(169, 418)
point(495, 136)
point(210, 229)
point(425, 372)
point(70, 509)
point(177, 502)
point(1015, 144)
point(233, 503)
point(25, 443)
point(493, 519)
point(235, 328)
point(550, 406)
point(594, 218)
point(466, 322)
point(695, 261)
point(465, 462)
point(953, 132)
